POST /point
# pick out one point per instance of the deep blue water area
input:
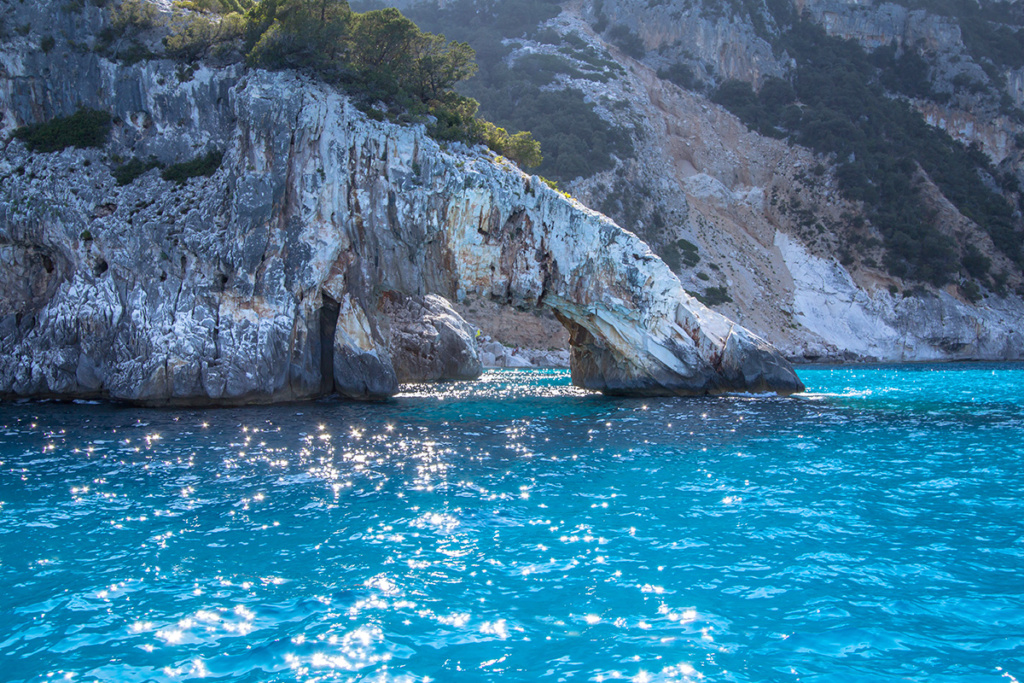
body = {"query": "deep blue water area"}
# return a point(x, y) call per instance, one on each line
point(519, 529)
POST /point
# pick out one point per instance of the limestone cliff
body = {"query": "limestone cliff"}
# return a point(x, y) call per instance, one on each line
point(322, 244)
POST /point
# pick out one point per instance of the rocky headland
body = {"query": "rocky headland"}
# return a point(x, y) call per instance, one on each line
point(318, 252)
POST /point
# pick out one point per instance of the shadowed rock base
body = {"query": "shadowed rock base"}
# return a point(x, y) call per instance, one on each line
point(429, 341)
point(747, 364)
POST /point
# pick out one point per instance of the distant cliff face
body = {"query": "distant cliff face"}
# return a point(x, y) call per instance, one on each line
point(974, 85)
point(316, 258)
point(693, 34)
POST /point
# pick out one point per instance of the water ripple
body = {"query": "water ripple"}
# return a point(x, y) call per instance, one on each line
point(521, 529)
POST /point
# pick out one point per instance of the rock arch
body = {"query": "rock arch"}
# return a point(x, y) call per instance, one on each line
point(633, 329)
point(471, 224)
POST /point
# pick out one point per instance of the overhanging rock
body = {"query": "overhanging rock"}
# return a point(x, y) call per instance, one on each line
point(633, 329)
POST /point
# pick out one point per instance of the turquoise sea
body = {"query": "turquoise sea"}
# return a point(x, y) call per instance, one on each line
point(518, 529)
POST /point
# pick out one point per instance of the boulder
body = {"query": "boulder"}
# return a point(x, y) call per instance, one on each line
point(429, 341)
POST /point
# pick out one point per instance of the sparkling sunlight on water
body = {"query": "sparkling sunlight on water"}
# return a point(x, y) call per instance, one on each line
point(520, 529)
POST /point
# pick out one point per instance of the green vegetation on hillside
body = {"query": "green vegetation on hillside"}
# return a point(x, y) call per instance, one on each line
point(627, 41)
point(837, 105)
point(680, 74)
point(712, 296)
point(382, 52)
point(84, 128)
point(205, 165)
point(519, 94)
point(128, 172)
point(679, 253)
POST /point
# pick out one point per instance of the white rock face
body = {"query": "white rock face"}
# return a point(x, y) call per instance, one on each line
point(267, 281)
point(877, 325)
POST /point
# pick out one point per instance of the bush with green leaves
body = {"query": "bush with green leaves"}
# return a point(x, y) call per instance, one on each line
point(128, 172)
point(216, 6)
point(712, 296)
point(520, 147)
point(196, 34)
point(205, 165)
point(627, 41)
point(134, 16)
point(457, 121)
point(299, 34)
point(381, 53)
point(84, 128)
point(680, 74)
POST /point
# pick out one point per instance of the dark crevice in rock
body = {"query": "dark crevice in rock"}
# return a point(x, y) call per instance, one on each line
point(216, 332)
point(328, 325)
point(393, 223)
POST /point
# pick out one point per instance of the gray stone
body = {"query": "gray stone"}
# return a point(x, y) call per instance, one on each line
point(429, 341)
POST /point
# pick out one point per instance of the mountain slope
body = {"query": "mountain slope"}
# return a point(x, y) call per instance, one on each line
point(932, 228)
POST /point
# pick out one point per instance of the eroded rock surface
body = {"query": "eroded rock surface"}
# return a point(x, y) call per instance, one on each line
point(430, 342)
point(274, 279)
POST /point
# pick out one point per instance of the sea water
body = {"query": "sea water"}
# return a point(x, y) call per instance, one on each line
point(519, 529)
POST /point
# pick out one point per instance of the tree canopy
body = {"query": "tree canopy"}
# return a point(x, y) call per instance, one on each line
point(377, 56)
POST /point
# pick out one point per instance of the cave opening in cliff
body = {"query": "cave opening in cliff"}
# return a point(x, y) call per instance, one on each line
point(515, 337)
point(329, 312)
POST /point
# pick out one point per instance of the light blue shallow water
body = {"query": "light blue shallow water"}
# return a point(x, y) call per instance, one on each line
point(872, 530)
